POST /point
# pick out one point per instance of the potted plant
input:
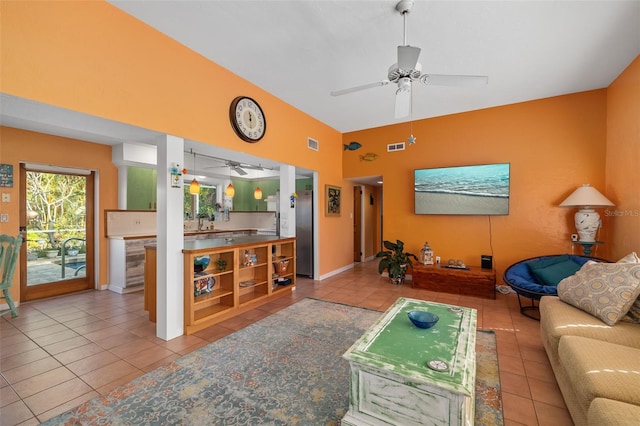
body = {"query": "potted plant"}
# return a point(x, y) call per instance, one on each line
point(52, 249)
point(221, 263)
point(395, 261)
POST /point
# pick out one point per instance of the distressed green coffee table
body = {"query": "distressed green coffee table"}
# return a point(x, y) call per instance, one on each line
point(391, 380)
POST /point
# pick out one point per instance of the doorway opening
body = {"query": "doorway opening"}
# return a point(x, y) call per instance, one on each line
point(57, 217)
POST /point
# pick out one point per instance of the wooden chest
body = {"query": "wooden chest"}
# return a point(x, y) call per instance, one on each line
point(469, 282)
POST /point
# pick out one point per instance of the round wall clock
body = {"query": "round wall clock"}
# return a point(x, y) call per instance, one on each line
point(247, 119)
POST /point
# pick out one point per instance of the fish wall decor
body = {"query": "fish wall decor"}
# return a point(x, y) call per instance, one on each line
point(369, 156)
point(352, 146)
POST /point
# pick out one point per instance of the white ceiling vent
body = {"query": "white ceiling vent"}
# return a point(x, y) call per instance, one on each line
point(398, 146)
point(312, 144)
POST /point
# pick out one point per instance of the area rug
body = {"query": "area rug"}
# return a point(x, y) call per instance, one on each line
point(286, 369)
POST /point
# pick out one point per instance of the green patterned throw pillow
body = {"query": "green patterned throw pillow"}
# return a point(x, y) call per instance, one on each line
point(634, 313)
point(604, 290)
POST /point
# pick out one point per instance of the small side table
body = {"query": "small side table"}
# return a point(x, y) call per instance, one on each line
point(586, 246)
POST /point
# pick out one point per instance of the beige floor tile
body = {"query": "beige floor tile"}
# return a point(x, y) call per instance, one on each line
point(35, 384)
point(93, 362)
point(15, 413)
point(31, 369)
point(101, 376)
point(56, 395)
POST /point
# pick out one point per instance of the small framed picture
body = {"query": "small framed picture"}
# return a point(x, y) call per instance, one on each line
point(333, 194)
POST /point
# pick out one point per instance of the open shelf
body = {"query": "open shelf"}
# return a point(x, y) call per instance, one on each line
point(244, 263)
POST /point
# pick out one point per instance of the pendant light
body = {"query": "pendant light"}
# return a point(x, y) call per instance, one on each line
point(230, 191)
point(257, 194)
point(194, 188)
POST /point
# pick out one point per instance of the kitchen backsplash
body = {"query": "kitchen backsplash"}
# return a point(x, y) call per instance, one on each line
point(135, 222)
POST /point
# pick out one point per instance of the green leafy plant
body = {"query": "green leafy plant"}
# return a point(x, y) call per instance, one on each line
point(221, 263)
point(395, 260)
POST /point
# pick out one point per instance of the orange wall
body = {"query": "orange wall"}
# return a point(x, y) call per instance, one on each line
point(623, 161)
point(21, 146)
point(93, 58)
point(554, 145)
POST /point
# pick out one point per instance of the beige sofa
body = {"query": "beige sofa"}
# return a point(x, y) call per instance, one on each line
point(597, 366)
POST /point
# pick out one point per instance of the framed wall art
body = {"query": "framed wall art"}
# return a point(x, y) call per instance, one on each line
point(333, 195)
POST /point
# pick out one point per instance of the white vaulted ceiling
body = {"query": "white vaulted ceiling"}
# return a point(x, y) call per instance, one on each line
point(301, 50)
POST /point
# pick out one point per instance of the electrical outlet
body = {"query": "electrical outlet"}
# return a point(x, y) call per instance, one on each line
point(6, 197)
point(4, 217)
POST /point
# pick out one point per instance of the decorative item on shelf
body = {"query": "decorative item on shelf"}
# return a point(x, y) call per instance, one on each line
point(283, 281)
point(221, 264)
point(395, 261)
point(292, 199)
point(281, 266)
point(587, 220)
point(194, 188)
point(203, 285)
point(200, 263)
point(426, 254)
point(248, 258)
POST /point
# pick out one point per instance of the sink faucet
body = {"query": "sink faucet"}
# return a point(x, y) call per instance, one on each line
point(200, 223)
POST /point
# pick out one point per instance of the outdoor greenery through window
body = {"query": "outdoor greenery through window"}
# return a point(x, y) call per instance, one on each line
point(205, 202)
point(56, 211)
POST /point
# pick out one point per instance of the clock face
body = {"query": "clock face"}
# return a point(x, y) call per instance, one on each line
point(247, 119)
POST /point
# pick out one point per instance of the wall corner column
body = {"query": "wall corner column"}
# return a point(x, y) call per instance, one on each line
point(170, 242)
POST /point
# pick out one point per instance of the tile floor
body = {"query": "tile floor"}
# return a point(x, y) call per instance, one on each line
point(63, 351)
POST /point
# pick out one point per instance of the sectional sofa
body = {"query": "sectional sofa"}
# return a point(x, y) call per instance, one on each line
point(591, 333)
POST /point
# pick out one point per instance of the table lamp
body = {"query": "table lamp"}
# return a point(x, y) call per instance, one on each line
point(587, 219)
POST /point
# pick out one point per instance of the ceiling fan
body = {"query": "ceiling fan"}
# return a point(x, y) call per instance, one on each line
point(408, 69)
point(239, 168)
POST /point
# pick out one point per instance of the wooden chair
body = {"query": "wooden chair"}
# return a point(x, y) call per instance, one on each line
point(9, 250)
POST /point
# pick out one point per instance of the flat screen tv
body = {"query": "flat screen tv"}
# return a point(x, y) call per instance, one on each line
point(463, 190)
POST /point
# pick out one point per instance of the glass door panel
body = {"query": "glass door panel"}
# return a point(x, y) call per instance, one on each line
point(59, 247)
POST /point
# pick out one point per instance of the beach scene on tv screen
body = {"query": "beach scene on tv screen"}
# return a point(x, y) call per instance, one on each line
point(463, 190)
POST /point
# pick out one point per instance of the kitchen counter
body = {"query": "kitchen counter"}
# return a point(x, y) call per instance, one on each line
point(215, 232)
point(214, 243)
point(126, 255)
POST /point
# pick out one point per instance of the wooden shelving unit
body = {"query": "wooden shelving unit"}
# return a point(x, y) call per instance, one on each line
point(250, 279)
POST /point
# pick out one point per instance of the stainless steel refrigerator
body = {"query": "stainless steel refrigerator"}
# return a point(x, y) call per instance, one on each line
point(304, 234)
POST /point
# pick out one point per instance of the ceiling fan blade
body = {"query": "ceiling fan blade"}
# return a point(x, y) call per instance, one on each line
point(408, 57)
point(403, 102)
point(454, 80)
point(359, 88)
point(239, 170)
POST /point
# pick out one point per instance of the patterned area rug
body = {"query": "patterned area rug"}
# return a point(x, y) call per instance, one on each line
point(286, 369)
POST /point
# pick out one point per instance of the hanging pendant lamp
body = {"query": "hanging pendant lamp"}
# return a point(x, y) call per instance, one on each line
point(194, 188)
point(230, 191)
point(257, 194)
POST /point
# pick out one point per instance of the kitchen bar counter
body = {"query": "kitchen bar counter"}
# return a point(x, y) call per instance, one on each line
point(126, 255)
point(256, 270)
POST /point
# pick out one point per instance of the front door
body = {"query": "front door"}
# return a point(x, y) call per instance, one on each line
point(57, 214)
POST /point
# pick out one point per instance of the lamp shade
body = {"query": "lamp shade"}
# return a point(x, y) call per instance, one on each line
point(586, 196)
point(257, 194)
point(230, 191)
point(194, 188)
point(587, 220)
